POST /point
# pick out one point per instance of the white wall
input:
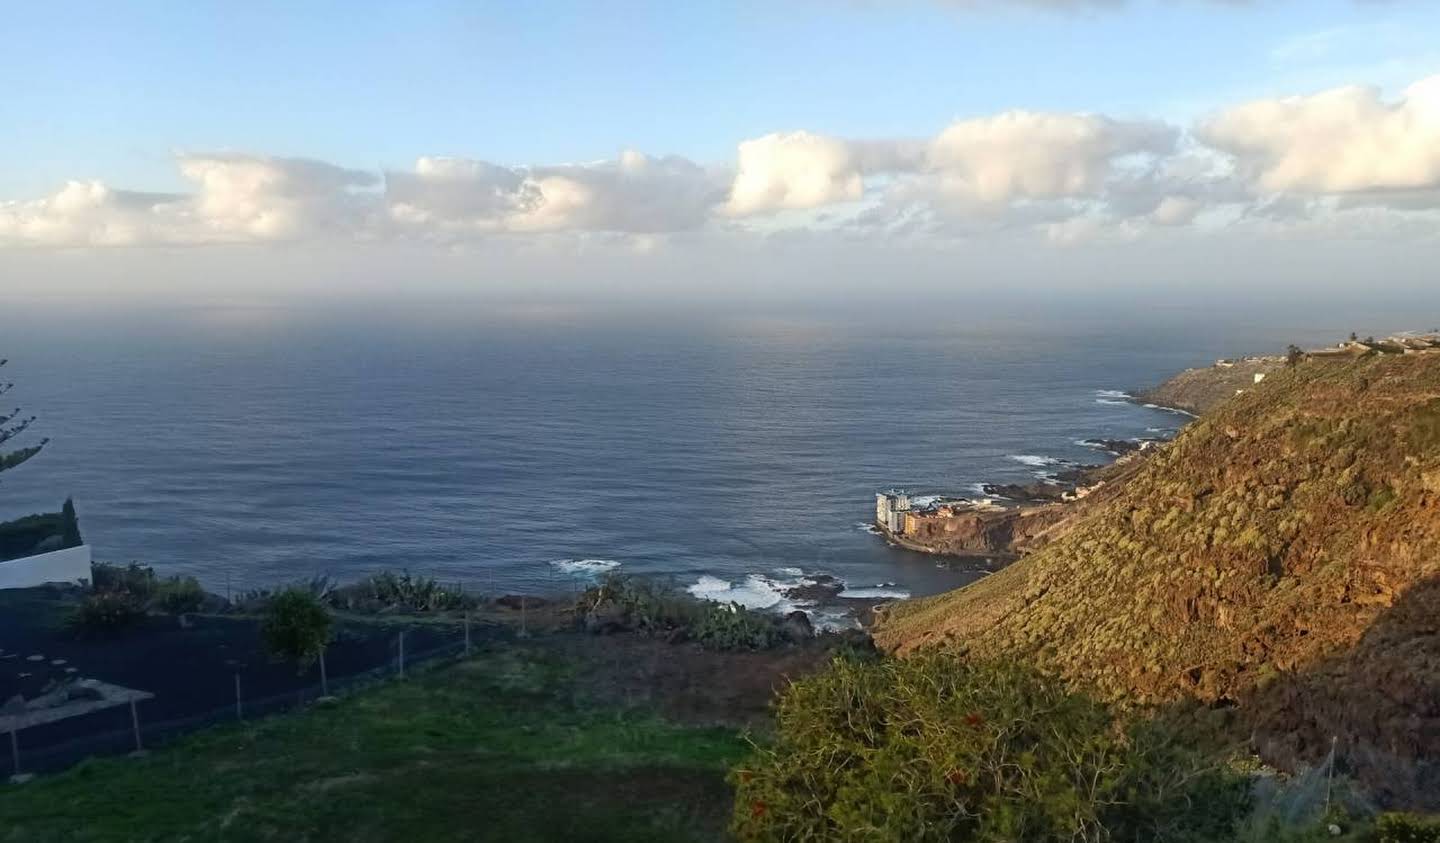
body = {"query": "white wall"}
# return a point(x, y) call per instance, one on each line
point(65, 566)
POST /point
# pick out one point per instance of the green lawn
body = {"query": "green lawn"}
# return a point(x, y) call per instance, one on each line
point(503, 746)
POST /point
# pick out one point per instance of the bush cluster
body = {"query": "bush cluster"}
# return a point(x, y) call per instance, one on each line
point(105, 613)
point(403, 592)
point(654, 608)
point(938, 748)
point(1403, 828)
point(120, 596)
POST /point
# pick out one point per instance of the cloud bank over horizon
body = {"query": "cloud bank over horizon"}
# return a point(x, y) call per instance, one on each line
point(1346, 159)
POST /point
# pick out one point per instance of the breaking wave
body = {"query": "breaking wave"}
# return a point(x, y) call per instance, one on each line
point(585, 567)
point(1034, 461)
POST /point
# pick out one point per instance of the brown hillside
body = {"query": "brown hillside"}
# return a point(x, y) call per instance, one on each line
point(1281, 553)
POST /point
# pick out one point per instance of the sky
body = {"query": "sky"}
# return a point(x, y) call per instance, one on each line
point(553, 151)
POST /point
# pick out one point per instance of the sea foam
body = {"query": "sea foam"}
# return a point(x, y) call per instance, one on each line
point(585, 567)
point(1034, 461)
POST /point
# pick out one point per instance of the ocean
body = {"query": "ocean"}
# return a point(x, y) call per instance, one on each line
point(530, 450)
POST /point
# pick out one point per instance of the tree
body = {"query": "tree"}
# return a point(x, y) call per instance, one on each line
point(297, 627)
point(1293, 355)
point(12, 425)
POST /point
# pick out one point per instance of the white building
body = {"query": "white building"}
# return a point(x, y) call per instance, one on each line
point(890, 509)
point(70, 565)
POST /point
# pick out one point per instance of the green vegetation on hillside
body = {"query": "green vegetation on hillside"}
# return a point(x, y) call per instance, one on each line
point(937, 748)
point(1244, 564)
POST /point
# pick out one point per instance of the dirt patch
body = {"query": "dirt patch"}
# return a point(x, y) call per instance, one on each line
point(686, 682)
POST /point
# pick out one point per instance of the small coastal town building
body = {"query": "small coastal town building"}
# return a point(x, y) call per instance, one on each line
point(890, 510)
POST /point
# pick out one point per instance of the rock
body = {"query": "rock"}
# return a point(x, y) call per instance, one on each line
point(35, 658)
point(605, 619)
point(22, 778)
point(819, 587)
point(797, 627)
point(58, 662)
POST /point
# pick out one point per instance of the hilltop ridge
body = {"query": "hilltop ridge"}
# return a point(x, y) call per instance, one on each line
point(1281, 555)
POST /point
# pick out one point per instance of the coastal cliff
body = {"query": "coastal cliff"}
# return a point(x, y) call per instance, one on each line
point(1197, 391)
point(1281, 556)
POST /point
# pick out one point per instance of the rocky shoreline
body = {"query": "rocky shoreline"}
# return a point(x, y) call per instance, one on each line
point(1021, 517)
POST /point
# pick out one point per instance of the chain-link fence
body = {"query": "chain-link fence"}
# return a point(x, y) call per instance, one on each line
point(218, 677)
point(121, 730)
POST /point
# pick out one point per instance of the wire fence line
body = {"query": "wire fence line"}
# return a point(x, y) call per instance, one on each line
point(145, 735)
point(54, 747)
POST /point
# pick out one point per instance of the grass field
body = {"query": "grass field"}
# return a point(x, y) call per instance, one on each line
point(506, 745)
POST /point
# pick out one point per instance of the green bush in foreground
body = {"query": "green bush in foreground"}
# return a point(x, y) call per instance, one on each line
point(1402, 828)
point(296, 627)
point(937, 748)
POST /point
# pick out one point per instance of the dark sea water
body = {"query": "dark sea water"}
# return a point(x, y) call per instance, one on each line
point(254, 445)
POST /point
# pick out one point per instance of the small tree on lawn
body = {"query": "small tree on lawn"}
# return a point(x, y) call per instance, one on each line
point(12, 424)
point(297, 627)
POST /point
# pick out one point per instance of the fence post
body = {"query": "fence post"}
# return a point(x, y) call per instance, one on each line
point(402, 654)
point(239, 708)
point(135, 722)
point(524, 632)
point(324, 678)
point(15, 751)
point(467, 633)
point(1330, 775)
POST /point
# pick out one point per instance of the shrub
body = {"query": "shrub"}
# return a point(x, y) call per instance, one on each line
point(1403, 828)
point(106, 613)
point(938, 748)
point(134, 579)
point(730, 626)
point(179, 595)
point(415, 594)
point(296, 627)
point(647, 607)
point(653, 608)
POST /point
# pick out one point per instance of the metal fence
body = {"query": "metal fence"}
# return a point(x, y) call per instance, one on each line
point(107, 739)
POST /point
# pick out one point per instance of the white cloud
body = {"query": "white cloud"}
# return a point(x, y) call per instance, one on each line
point(794, 170)
point(238, 198)
point(1031, 155)
point(1344, 140)
point(635, 193)
point(1176, 210)
point(1065, 177)
point(244, 197)
point(87, 213)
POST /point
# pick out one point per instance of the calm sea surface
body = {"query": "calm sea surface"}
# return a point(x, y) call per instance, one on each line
point(250, 446)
